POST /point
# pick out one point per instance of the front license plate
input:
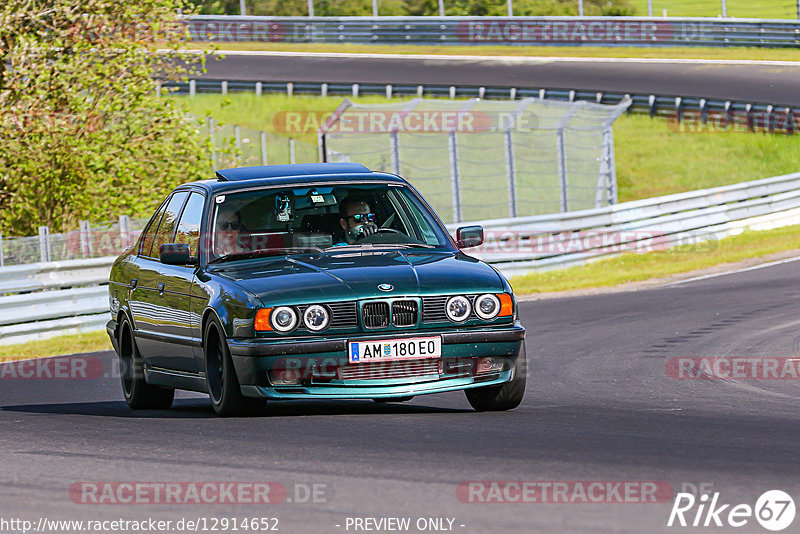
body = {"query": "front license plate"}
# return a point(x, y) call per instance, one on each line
point(410, 348)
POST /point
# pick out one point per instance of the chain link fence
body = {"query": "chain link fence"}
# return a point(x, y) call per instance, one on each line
point(477, 159)
point(88, 241)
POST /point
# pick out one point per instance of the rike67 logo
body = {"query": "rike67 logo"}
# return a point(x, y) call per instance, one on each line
point(774, 510)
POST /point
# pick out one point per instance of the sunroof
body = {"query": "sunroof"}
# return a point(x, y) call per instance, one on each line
point(300, 169)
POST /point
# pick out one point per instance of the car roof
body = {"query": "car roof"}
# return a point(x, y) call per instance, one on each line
point(294, 174)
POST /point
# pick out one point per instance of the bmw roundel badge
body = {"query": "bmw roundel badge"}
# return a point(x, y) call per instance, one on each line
point(386, 287)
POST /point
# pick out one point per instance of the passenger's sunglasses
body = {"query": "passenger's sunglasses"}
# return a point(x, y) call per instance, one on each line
point(363, 217)
point(228, 225)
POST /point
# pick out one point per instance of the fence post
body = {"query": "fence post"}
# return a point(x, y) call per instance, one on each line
point(290, 89)
point(608, 134)
point(323, 90)
point(44, 243)
point(264, 148)
point(580, 8)
point(237, 137)
point(125, 231)
point(310, 8)
point(2, 258)
point(562, 168)
point(192, 87)
point(441, 8)
point(455, 184)
point(394, 143)
point(649, 8)
point(259, 88)
point(291, 150)
point(511, 172)
point(374, 8)
point(213, 143)
point(510, 7)
point(724, 9)
point(86, 238)
point(224, 87)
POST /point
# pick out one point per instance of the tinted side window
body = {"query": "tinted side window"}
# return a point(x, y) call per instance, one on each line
point(168, 221)
point(189, 226)
point(150, 233)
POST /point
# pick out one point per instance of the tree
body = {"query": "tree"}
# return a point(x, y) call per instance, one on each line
point(83, 133)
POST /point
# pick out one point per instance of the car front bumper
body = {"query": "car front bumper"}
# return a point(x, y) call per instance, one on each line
point(254, 359)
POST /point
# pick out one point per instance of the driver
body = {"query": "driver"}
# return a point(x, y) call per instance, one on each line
point(356, 219)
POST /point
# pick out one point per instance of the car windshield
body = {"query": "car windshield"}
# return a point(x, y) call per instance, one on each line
point(307, 219)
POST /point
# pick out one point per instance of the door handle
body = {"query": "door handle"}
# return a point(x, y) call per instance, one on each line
point(161, 288)
point(134, 281)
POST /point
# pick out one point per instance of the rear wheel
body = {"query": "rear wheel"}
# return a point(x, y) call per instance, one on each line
point(138, 394)
point(223, 385)
point(505, 396)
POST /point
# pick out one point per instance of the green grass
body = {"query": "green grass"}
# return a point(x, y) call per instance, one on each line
point(761, 54)
point(637, 267)
point(652, 159)
point(56, 346)
point(757, 9)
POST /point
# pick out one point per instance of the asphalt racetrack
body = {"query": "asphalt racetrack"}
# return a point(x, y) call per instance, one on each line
point(600, 406)
point(747, 81)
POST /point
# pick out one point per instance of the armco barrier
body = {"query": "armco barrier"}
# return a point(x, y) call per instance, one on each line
point(605, 31)
point(47, 299)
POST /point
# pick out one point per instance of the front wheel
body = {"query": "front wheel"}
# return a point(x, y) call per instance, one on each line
point(138, 394)
point(223, 385)
point(505, 396)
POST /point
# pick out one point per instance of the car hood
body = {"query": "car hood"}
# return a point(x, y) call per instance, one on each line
point(357, 275)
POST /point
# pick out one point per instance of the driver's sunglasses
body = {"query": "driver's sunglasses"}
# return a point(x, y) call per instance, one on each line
point(363, 217)
point(228, 225)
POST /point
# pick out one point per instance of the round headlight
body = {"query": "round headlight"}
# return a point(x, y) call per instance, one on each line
point(458, 308)
point(316, 317)
point(487, 306)
point(283, 319)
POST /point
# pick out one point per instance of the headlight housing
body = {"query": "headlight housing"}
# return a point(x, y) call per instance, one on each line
point(316, 318)
point(458, 309)
point(283, 319)
point(487, 306)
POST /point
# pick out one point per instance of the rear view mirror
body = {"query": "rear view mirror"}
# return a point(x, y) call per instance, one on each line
point(175, 254)
point(469, 236)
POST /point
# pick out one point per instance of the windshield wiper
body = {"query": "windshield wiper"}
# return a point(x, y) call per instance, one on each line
point(379, 245)
point(263, 252)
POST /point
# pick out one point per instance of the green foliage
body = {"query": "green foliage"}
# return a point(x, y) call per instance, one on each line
point(415, 7)
point(84, 134)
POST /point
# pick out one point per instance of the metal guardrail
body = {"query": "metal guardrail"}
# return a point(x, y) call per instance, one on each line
point(77, 299)
point(688, 112)
point(524, 244)
point(605, 31)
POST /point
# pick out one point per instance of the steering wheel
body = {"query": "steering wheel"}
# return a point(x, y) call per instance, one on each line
point(382, 229)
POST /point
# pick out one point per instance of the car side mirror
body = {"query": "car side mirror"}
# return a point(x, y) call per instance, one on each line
point(469, 236)
point(175, 254)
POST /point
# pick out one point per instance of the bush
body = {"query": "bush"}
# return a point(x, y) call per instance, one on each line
point(84, 135)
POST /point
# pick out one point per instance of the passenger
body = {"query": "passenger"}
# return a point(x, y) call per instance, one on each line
point(227, 233)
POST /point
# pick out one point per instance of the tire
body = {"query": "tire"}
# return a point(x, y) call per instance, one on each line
point(505, 396)
point(384, 400)
point(138, 393)
point(223, 385)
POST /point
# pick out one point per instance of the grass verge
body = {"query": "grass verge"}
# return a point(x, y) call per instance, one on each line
point(733, 53)
point(652, 158)
point(639, 267)
point(56, 346)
